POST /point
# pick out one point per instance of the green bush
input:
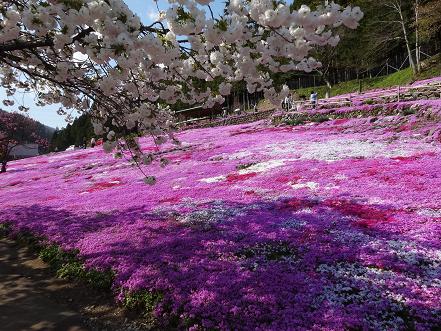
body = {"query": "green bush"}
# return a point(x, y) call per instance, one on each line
point(408, 111)
point(141, 301)
point(368, 102)
point(295, 121)
point(4, 229)
point(320, 119)
point(67, 265)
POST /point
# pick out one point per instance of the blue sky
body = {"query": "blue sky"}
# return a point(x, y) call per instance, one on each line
point(146, 9)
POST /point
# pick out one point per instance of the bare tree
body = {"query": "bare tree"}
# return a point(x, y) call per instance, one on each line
point(397, 7)
point(418, 12)
point(417, 36)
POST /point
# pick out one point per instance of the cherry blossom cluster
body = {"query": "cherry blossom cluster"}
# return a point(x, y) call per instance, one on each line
point(97, 55)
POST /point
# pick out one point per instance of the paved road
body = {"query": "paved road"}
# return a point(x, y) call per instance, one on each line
point(30, 298)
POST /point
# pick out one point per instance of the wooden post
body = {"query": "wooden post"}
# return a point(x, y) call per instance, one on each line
point(398, 93)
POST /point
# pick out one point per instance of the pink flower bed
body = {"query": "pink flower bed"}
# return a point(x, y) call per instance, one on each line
point(429, 81)
point(382, 92)
point(322, 227)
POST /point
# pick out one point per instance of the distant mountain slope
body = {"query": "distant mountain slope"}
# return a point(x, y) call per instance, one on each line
point(44, 130)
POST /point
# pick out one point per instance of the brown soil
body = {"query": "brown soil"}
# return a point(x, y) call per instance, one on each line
point(31, 298)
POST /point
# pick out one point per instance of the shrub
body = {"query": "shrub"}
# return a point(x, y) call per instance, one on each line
point(67, 265)
point(295, 121)
point(4, 229)
point(320, 119)
point(141, 301)
point(408, 111)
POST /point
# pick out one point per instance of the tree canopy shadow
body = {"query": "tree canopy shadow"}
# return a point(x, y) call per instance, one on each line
point(278, 264)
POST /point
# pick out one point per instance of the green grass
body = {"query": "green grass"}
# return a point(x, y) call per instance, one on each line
point(68, 266)
point(431, 68)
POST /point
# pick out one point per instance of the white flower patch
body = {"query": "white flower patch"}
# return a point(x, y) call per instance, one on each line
point(357, 284)
point(210, 180)
point(375, 201)
point(305, 211)
point(216, 212)
point(428, 260)
point(309, 185)
point(331, 187)
point(231, 156)
point(283, 148)
point(68, 165)
point(335, 150)
point(103, 174)
point(29, 165)
point(338, 149)
point(263, 166)
point(352, 236)
point(293, 223)
point(53, 159)
point(429, 212)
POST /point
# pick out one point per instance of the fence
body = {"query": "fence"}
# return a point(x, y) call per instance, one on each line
point(239, 102)
point(390, 65)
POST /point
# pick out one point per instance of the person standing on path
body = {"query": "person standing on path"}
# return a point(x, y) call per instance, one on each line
point(313, 99)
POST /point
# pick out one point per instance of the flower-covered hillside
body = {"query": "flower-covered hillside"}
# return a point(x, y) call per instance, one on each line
point(323, 226)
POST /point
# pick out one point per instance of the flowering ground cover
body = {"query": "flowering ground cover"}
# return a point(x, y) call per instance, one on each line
point(325, 226)
point(422, 106)
point(385, 92)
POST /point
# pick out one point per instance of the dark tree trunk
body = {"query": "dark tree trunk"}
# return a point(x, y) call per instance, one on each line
point(3, 167)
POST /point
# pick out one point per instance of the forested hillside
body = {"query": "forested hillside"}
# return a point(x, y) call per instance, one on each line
point(42, 130)
point(392, 34)
point(78, 133)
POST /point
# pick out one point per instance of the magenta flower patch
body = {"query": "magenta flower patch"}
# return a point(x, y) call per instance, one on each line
point(326, 226)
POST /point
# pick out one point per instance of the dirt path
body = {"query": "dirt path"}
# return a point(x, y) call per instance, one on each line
point(31, 298)
point(28, 298)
